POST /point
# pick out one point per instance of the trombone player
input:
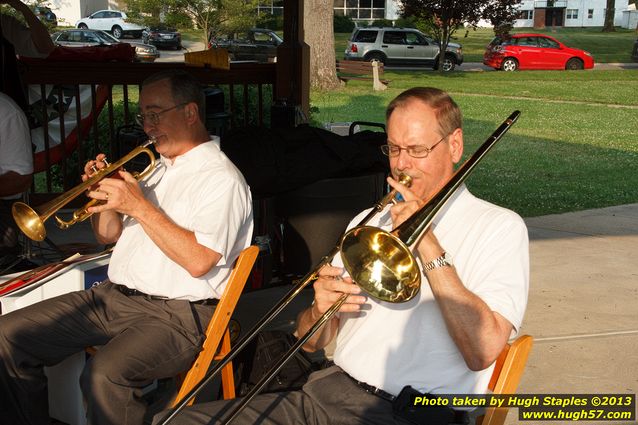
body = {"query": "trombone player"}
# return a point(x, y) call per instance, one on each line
point(475, 271)
point(176, 237)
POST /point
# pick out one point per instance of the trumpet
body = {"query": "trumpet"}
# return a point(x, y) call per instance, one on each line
point(382, 263)
point(311, 276)
point(31, 220)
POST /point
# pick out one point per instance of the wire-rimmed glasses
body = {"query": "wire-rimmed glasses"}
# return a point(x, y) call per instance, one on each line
point(416, 151)
point(154, 117)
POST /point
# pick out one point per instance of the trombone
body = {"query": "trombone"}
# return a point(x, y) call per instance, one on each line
point(380, 262)
point(31, 220)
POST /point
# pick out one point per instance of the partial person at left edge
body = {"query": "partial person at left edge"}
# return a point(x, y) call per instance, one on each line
point(177, 234)
point(16, 169)
point(32, 40)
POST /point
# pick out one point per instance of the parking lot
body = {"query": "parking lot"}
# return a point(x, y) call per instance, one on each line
point(167, 55)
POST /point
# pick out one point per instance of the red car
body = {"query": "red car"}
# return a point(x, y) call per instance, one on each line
point(534, 51)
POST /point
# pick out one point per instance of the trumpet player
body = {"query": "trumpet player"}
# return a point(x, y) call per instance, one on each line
point(176, 236)
point(474, 264)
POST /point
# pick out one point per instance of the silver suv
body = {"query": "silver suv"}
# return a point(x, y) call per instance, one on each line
point(400, 46)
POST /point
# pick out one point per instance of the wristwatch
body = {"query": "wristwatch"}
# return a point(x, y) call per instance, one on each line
point(445, 260)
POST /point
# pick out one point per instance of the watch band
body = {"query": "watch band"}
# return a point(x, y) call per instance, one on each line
point(437, 262)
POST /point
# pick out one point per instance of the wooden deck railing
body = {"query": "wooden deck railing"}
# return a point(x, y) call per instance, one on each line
point(112, 90)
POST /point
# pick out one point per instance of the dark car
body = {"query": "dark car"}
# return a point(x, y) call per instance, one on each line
point(162, 36)
point(45, 15)
point(534, 51)
point(253, 45)
point(634, 55)
point(87, 37)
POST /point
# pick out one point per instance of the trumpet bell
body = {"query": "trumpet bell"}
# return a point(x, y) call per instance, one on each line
point(380, 263)
point(29, 221)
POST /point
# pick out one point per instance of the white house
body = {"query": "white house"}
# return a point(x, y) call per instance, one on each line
point(534, 13)
point(568, 13)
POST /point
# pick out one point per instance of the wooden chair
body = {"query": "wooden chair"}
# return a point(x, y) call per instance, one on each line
point(506, 377)
point(217, 330)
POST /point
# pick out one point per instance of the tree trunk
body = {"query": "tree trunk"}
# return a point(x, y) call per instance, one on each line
point(319, 35)
point(609, 16)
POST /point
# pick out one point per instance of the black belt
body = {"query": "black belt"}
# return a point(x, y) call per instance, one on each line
point(374, 390)
point(134, 292)
point(458, 416)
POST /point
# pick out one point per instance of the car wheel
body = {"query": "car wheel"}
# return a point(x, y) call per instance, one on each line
point(83, 26)
point(376, 56)
point(574, 64)
point(509, 64)
point(448, 63)
point(117, 32)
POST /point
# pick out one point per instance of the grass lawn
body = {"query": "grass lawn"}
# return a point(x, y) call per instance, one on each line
point(575, 146)
point(606, 47)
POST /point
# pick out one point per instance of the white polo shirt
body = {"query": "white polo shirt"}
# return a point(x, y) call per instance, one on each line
point(390, 345)
point(201, 191)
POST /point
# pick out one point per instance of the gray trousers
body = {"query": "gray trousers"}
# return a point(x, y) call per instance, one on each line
point(329, 397)
point(141, 340)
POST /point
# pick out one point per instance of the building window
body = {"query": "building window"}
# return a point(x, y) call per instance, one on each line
point(360, 9)
point(571, 14)
point(271, 7)
point(590, 14)
point(526, 14)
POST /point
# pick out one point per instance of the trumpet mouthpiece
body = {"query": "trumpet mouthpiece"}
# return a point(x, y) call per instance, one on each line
point(150, 141)
point(405, 180)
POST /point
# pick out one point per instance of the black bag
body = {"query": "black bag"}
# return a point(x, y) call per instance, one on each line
point(264, 352)
point(405, 408)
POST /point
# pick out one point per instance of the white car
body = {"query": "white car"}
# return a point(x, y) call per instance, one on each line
point(110, 20)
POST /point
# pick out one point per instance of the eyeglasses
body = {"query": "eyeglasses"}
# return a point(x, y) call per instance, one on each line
point(154, 117)
point(418, 151)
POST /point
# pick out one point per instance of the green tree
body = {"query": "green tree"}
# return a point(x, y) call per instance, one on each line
point(218, 17)
point(139, 10)
point(213, 17)
point(447, 16)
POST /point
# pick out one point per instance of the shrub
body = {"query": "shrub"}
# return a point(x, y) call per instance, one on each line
point(343, 24)
point(271, 22)
point(178, 20)
point(407, 22)
point(382, 23)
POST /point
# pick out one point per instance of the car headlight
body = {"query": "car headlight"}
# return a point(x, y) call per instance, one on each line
point(588, 54)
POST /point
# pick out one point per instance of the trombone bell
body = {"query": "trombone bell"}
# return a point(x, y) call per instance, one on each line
point(29, 221)
point(380, 263)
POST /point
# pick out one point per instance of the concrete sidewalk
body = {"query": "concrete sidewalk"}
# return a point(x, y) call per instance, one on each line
point(583, 303)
